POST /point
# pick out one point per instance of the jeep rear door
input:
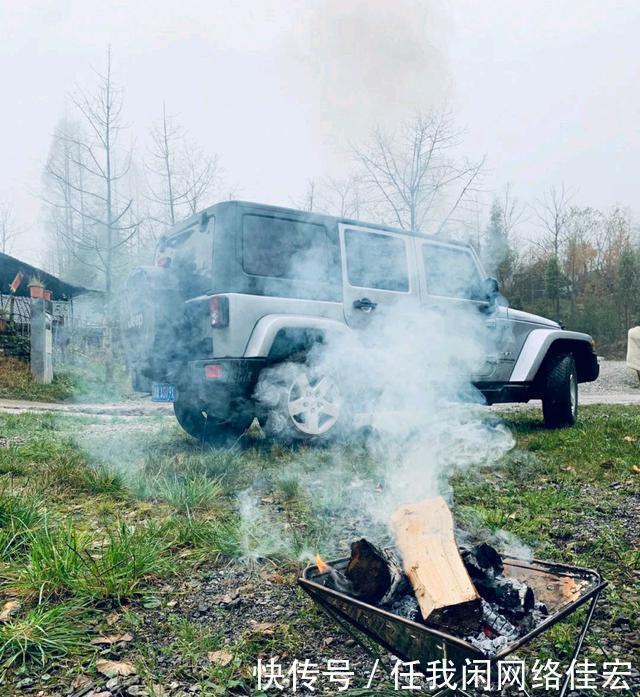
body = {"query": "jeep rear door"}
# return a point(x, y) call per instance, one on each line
point(451, 277)
point(378, 271)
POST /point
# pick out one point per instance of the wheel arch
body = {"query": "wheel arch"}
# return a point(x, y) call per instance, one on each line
point(279, 336)
point(542, 345)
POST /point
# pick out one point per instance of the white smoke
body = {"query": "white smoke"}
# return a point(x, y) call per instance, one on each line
point(407, 401)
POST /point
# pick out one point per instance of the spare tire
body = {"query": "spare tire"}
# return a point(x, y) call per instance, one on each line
point(152, 317)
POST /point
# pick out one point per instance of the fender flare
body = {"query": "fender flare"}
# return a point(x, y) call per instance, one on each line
point(267, 328)
point(536, 347)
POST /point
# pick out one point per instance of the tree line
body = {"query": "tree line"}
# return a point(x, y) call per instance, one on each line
point(106, 205)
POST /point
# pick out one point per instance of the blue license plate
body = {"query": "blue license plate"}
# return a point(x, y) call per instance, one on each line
point(161, 392)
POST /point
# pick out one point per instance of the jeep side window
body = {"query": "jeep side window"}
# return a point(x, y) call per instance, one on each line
point(376, 261)
point(451, 272)
point(288, 249)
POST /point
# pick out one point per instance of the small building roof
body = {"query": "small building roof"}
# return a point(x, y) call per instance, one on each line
point(60, 290)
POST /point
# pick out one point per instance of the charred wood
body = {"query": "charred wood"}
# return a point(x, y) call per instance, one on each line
point(374, 574)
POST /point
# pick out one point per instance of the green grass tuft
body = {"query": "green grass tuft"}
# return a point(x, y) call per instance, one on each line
point(190, 494)
point(42, 634)
point(20, 517)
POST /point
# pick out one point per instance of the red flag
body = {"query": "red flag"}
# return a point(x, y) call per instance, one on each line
point(15, 284)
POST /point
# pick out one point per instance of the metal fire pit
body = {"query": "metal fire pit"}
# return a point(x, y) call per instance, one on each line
point(563, 589)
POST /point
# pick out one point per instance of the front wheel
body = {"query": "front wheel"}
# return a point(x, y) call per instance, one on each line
point(560, 393)
point(205, 428)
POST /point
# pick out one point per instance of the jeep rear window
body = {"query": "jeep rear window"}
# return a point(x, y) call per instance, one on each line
point(178, 239)
point(450, 272)
point(290, 249)
point(376, 261)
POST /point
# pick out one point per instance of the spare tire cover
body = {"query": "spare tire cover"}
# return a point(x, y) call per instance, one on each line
point(152, 315)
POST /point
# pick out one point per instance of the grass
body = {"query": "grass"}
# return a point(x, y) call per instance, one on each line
point(77, 379)
point(20, 517)
point(82, 534)
point(43, 634)
point(189, 493)
point(16, 382)
point(65, 561)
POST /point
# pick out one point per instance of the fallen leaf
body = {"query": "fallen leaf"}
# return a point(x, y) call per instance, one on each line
point(112, 639)
point(158, 691)
point(113, 668)
point(226, 598)
point(630, 439)
point(9, 609)
point(263, 628)
point(81, 681)
point(172, 603)
point(220, 658)
point(635, 468)
point(112, 618)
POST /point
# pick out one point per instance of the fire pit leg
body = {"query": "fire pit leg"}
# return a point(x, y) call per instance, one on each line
point(580, 642)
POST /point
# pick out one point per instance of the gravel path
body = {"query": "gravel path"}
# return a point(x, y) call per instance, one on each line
point(132, 408)
point(617, 384)
point(615, 378)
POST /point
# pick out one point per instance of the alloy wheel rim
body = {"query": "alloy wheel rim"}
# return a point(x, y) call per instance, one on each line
point(573, 390)
point(314, 409)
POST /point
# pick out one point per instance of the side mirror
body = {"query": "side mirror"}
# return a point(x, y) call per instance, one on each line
point(490, 288)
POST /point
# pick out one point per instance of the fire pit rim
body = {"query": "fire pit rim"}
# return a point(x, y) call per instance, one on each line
point(597, 584)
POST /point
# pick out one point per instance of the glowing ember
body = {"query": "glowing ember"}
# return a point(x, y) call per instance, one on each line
point(323, 567)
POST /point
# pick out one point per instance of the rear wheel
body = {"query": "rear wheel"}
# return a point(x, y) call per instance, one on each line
point(208, 429)
point(560, 394)
point(302, 403)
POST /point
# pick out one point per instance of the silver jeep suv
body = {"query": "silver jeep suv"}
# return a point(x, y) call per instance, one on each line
point(225, 301)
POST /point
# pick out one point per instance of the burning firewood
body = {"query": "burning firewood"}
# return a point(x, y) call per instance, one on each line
point(425, 537)
point(485, 567)
point(372, 574)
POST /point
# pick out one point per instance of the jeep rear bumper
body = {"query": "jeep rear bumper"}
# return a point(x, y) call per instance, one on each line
point(223, 387)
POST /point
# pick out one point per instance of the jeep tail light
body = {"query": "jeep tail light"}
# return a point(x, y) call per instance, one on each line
point(213, 371)
point(219, 311)
point(164, 262)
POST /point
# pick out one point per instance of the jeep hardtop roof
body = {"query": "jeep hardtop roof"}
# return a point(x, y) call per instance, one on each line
point(319, 218)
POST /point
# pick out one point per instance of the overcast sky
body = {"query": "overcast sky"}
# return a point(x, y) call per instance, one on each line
point(549, 91)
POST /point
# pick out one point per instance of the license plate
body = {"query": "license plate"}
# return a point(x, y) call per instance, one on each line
point(161, 392)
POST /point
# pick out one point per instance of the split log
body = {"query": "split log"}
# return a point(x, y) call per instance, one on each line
point(424, 534)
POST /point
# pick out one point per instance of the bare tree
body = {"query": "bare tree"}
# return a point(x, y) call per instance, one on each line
point(308, 201)
point(164, 137)
point(514, 212)
point(552, 212)
point(91, 172)
point(8, 228)
point(183, 178)
point(342, 196)
point(200, 178)
point(413, 175)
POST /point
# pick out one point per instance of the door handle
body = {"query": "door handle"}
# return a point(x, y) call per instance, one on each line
point(364, 304)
